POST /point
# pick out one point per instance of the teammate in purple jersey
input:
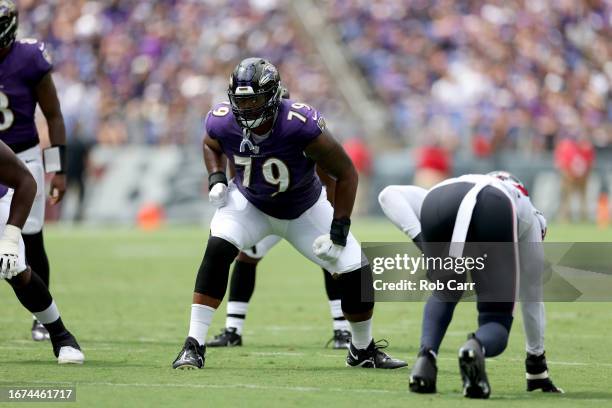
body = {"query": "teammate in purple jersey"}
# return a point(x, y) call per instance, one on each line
point(25, 81)
point(27, 285)
point(274, 144)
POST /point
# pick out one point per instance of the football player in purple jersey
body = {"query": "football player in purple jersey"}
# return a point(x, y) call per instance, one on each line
point(274, 144)
point(26, 81)
point(242, 285)
point(28, 286)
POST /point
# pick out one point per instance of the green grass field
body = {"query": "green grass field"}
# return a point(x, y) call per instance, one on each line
point(126, 295)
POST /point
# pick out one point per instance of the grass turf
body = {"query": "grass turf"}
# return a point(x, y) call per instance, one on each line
point(126, 295)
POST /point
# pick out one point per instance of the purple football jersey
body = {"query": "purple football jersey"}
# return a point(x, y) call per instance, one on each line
point(274, 174)
point(3, 190)
point(20, 71)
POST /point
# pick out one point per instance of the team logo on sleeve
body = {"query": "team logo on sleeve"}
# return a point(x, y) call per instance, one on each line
point(46, 55)
point(321, 123)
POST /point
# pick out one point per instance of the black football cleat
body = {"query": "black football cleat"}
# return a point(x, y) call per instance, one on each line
point(39, 332)
point(472, 367)
point(372, 357)
point(66, 339)
point(537, 375)
point(192, 356)
point(227, 338)
point(340, 340)
point(424, 373)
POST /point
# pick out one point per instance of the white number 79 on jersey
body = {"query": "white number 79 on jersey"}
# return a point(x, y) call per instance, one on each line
point(274, 170)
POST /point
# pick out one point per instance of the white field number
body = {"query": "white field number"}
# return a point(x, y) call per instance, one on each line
point(274, 170)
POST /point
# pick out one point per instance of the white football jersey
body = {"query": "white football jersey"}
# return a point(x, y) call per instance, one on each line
point(527, 215)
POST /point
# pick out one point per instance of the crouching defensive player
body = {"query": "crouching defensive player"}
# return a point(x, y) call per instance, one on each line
point(477, 208)
point(402, 205)
point(29, 288)
point(274, 144)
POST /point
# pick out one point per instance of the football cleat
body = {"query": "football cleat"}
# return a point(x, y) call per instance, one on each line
point(66, 349)
point(228, 337)
point(372, 357)
point(192, 356)
point(472, 367)
point(537, 374)
point(39, 332)
point(340, 340)
point(70, 355)
point(424, 373)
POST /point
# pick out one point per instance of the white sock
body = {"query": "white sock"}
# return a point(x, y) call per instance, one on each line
point(236, 313)
point(534, 322)
point(339, 322)
point(201, 317)
point(362, 333)
point(49, 315)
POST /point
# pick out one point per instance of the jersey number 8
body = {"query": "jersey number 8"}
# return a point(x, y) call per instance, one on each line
point(6, 115)
point(274, 171)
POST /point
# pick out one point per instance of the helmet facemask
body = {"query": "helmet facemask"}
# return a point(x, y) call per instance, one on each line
point(252, 109)
point(8, 23)
point(254, 92)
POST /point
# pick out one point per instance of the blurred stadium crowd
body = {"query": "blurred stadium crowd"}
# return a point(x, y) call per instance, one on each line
point(142, 71)
point(479, 75)
point(506, 73)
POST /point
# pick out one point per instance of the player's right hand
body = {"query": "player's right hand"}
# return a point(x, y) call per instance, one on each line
point(218, 195)
point(9, 252)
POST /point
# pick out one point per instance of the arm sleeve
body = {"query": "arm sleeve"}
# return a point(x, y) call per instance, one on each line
point(40, 62)
point(313, 127)
point(208, 126)
point(402, 205)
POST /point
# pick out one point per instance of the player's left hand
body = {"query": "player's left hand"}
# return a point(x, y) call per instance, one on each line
point(325, 249)
point(58, 188)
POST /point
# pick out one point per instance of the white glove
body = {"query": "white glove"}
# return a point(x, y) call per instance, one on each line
point(218, 195)
point(325, 249)
point(9, 252)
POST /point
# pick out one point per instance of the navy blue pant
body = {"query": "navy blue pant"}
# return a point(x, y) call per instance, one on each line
point(491, 237)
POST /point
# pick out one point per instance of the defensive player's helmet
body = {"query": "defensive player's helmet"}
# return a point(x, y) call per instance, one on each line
point(507, 176)
point(8, 23)
point(254, 92)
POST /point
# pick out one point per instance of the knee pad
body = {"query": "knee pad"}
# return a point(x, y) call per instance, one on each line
point(332, 286)
point(36, 255)
point(357, 291)
point(242, 284)
point(20, 280)
point(504, 319)
point(214, 270)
